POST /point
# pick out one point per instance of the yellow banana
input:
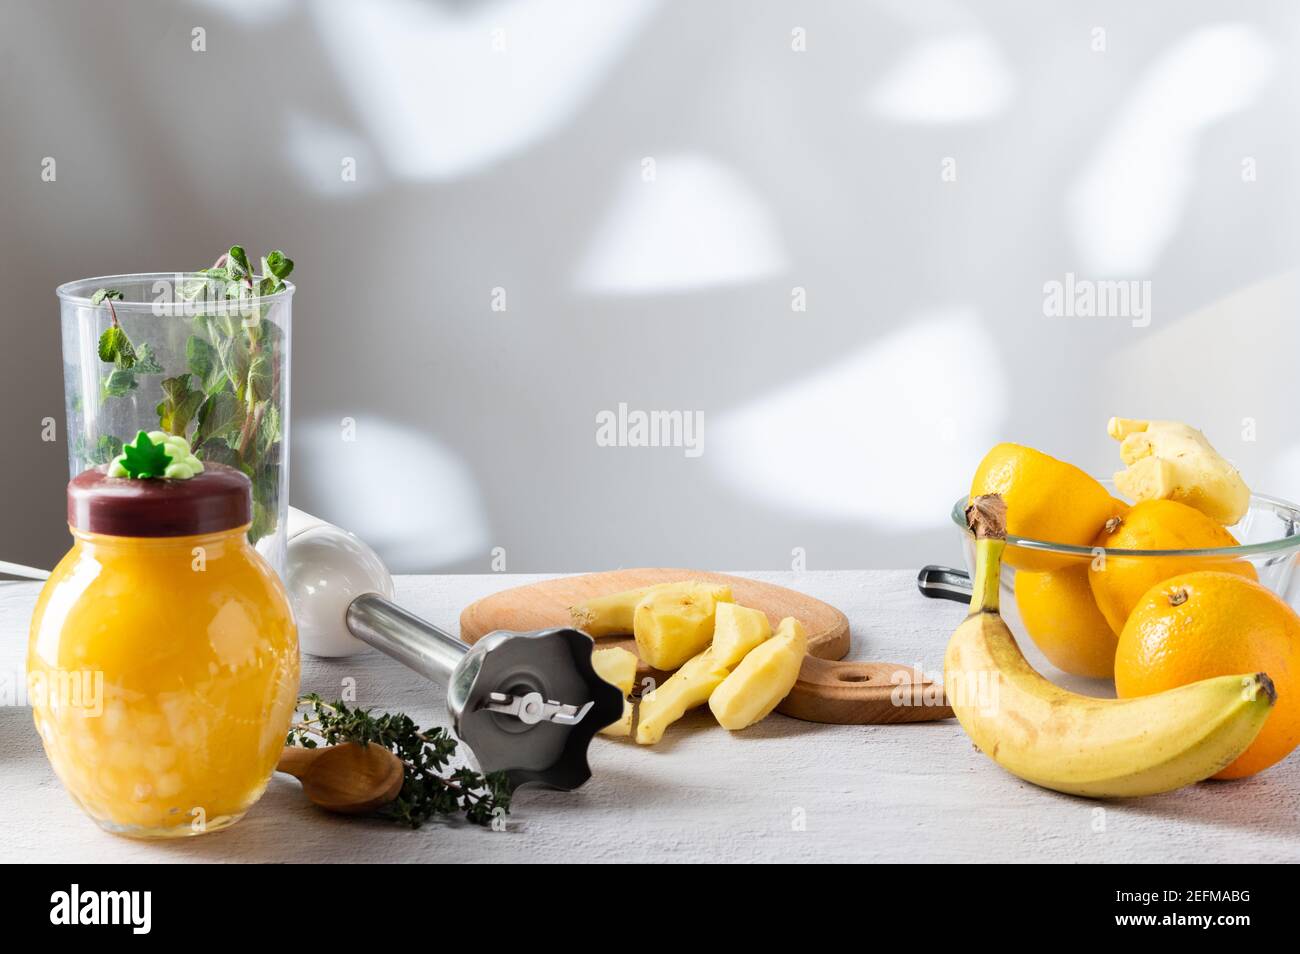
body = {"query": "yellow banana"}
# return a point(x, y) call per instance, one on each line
point(1104, 748)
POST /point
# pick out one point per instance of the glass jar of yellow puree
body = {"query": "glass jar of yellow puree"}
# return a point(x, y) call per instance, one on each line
point(163, 658)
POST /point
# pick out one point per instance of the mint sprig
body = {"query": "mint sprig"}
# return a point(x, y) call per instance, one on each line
point(114, 346)
point(235, 366)
point(226, 400)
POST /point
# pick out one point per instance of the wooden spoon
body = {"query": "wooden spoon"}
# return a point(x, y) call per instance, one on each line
point(350, 779)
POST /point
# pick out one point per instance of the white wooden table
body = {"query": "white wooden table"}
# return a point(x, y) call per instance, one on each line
point(781, 791)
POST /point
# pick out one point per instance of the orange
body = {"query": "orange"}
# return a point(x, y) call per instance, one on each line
point(1119, 582)
point(1047, 499)
point(1199, 625)
point(1062, 618)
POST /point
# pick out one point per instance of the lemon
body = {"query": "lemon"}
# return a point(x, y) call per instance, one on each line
point(1062, 619)
point(1047, 499)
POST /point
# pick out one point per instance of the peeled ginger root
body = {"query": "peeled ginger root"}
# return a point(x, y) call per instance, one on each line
point(608, 615)
point(617, 666)
point(736, 630)
point(762, 679)
point(675, 622)
point(1168, 460)
point(685, 689)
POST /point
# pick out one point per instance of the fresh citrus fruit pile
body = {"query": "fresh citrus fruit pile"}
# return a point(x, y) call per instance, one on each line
point(1150, 622)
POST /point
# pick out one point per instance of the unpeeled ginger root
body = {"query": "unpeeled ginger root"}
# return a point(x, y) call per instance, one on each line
point(1168, 460)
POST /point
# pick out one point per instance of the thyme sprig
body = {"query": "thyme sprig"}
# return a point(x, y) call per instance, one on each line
point(429, 789)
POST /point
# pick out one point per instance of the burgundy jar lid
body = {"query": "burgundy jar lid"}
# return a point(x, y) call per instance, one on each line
point(219, 498)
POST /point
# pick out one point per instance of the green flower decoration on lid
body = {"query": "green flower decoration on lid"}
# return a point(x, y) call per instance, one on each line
point(156, 454)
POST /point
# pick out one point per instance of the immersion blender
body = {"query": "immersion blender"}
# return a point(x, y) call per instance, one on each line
point(526, 704)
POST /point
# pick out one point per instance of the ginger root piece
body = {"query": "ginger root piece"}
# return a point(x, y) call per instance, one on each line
point(617, 666)
point(762, 679)
point(612, 615)
point(1168, 460)
point(608, 615)
point(623, 727)
point(736, 630)
point(675, 622)
point(687, 688)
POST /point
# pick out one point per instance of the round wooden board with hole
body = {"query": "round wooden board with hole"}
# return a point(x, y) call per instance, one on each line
point(863, 693)
point(827, 690)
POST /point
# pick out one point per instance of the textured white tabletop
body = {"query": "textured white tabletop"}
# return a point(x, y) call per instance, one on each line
point(781, 791)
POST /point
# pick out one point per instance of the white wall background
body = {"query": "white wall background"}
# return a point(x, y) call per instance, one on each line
point(503, 144)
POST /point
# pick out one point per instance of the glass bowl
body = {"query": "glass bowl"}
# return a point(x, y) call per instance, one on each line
point(1269, 538)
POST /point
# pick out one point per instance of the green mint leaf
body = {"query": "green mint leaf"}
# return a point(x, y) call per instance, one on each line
point(178, 405)
point(106, 448)
point(266, 495)
point(220, 415)
point(144, 458)
point(259, 379)
point(205, 287)
point(268, 429)
point(266, 482)
point(232, 351)
point(216, 451)
point(278, 265)
point(110, 343)
point(218, 384)
point(237, 263)
point(270, 334)
point(118, 383)
point(263, 523)
point(115, 348)
point(106, 294)
point(202, 359)
point(146, 362)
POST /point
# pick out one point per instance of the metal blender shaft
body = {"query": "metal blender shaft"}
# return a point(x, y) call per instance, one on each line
point(412, 641)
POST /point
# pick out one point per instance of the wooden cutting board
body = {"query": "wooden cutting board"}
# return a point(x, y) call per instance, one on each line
point(827, 691)
point(544, 605)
